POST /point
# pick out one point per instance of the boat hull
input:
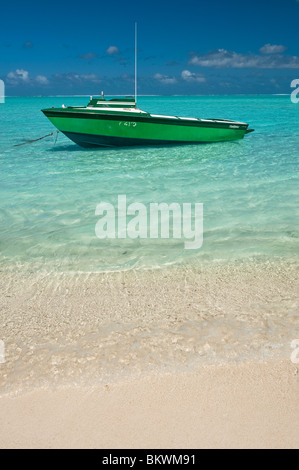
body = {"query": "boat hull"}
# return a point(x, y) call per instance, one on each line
point(98, 129)
point(90, 140)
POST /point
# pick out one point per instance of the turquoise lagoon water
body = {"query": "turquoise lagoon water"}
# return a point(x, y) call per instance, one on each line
point(249, 188)
point(232, 300)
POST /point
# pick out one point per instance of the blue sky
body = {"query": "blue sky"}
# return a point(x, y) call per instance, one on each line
point(184, 47)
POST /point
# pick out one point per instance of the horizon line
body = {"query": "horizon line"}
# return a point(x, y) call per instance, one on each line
point(108, 95)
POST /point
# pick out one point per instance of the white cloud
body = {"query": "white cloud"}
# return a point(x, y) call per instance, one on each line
point(192, 77)
point(78, 78)
point(221, 58)
point(88, 56)
point(165, 79)
point(91, 77)
point(112, 50)
point(42, 80)
point(274, 82)
point(18, 76)
point(272, 49)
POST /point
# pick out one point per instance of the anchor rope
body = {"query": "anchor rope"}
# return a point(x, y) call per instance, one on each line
point(40, 138)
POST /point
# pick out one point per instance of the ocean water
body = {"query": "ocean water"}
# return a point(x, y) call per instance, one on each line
point(77, 309)
point(49, 193)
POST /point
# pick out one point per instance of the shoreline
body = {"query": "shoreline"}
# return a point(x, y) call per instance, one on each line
point(249, 405)
point(184, 357)
point(88, 329)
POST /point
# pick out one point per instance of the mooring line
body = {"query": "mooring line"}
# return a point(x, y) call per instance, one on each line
point(32, 141)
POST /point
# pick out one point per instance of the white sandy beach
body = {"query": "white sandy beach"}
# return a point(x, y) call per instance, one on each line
point(177, 358)
point(252, 405)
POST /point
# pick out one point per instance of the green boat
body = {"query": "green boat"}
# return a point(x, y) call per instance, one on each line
point(118, 122)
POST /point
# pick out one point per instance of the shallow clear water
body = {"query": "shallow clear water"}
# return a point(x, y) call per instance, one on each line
point(48, 193)
point(65, 318)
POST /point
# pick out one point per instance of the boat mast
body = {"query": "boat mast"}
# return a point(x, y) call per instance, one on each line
point(136, 64)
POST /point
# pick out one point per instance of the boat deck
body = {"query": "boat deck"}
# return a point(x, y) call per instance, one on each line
point(139, 112)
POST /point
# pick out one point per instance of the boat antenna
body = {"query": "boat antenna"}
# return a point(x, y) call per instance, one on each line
point(135, 64)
